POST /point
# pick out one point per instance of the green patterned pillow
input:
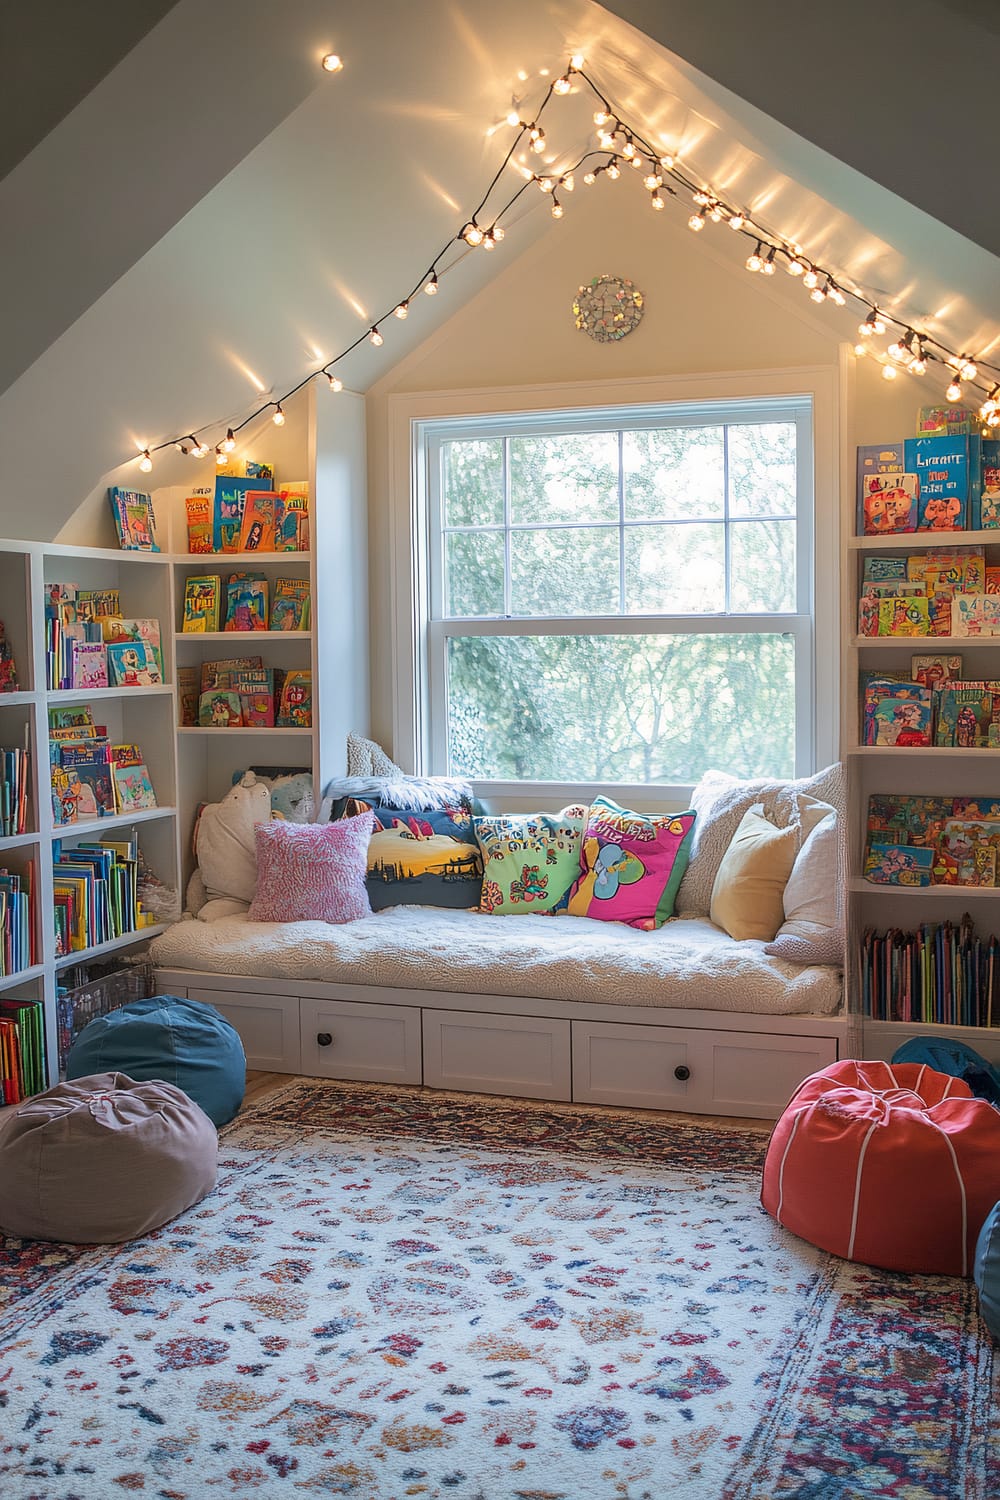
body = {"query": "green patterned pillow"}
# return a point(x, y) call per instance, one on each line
point(530, 860)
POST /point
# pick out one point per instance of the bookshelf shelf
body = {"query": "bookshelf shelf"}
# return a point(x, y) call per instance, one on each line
point(115, 694)
point(923, 892)
point(920, 541)
point(20, 841)
point(113, 820)
point(244, 637)
point(218, 732)
point(114, 945)
point(23, 976)
point(13, 700)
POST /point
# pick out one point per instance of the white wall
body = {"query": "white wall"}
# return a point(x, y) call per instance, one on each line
point(704, 314)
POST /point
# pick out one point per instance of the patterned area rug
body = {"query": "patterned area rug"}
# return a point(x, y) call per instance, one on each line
point(398, 1293)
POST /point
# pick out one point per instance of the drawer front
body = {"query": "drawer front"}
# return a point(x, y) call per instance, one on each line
point(747, 1074)
point(526, 1056)
point(377, 1043)
point(268, 1026)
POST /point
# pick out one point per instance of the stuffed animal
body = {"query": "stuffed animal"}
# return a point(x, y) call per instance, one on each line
point(224, 840)
point(292, 798)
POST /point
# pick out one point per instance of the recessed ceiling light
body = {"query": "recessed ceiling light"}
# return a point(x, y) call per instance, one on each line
point(332, 63)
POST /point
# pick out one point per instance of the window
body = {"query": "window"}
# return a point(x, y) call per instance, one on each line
point(621, 596)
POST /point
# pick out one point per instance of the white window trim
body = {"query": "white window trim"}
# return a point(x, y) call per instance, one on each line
point(410, 583)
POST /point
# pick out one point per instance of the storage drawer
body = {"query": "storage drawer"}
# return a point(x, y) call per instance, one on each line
point(491, 1054)
point(268, 1026)
point(378, 1043)
point(749, 1074)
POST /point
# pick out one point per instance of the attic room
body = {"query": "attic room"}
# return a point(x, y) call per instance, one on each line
point(592, 384)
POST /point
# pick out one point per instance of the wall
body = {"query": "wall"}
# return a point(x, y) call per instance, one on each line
point(704, 314)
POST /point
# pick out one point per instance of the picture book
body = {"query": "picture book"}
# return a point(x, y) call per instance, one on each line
point(220, 709)
point(961, 843)
point(255, 468)
point(202, 595)
point(246, 602)
point(227, 520)
point(135, 522)
point(132, 786)
point(948, 569)
point(905, 615)
point(8, 671)
point(989, 504)
point(88, 665)
point(893, 818)
point(118, 629)
point(975, 614)
point(965, 711)
point(890, 504)
point(290, 609)
point(97, 604)
point(257, 707)
point(220, 673)
point(896, 713)
point(199, 509)
point(64, 802)
point(946, 421)
point(132, 664)
point(934, 671)
point(295, 705)
point(292, 521)
point(949, 471)
point(898, 864)
point(992, 580)
point(879, 568)
point(188, 689)
point(257, 527)
point(875, 460)
point(90, 786)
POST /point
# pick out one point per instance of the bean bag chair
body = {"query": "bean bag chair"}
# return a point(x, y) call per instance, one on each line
point(986, 1271)
point(181, 1041)
point(961, 1061)
point(103, 1159)
point(891, 1165)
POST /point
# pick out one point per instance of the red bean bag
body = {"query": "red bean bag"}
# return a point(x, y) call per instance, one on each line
point(891, 1165)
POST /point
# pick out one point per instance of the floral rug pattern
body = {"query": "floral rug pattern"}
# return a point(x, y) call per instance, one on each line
point(397, 1293)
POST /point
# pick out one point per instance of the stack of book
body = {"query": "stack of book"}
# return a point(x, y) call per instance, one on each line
point(942, 975)
point(14, 768)
point(17, 926)
point(934, 705)
point(920, 841)
point(91, 777)
point(8, 670)
point(949, 591)
point(243, 602)
point(248, 513)
point(89, 644)
point(23, 1068)
point(95, 894)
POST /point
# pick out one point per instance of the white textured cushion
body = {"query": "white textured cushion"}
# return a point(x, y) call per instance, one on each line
point(227, 855)
point(813, 929)
point(720, 800)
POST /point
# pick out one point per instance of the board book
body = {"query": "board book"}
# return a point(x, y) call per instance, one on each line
point(202, 595)
point(259, 516)
point(135, 523)
point(291, 607)
point(198, 509)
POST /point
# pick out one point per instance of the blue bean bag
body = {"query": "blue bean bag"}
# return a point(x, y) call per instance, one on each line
point(945, 1055)
point(181, 1041)
point(986, 1271)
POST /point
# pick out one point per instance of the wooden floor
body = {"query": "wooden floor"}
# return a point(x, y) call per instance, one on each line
point(260, 1085)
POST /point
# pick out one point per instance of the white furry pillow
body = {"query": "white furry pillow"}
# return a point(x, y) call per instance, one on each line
point(224, 843)
point(720, 800)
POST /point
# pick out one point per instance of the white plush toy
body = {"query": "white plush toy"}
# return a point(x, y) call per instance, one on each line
point(226, 849)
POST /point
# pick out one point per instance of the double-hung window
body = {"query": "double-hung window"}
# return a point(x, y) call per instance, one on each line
point(620, 596)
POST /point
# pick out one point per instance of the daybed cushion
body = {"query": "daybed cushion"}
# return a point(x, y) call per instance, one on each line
point(684, 964)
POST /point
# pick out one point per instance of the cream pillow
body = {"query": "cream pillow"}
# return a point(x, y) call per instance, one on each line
point(746, 896)
point(813, 928)
point(224, 843)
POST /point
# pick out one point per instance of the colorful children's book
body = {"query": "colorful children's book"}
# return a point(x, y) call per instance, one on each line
point(989, 505)
point(230, 497)
point(90, 785)
point(290, 610)
point(219, 709)
point(257, 707)
point(246, 602)
point(220, 674)
point(946, 421)
point(202, 595)
point(965, 711)
point(198, 507)
point(898, 864)
point(135, 522)
point(188, 689)
point(875, 460)
point(950, 473)
point(8, 671)
point(255, 468)
point(292, 520)
point(935, 671)
point(896, 713)
point(295, 706)
point(88, 665)
point(259, 515)
point(975, 614)
point(890, 504)
point(961, 842)
point(132, 664)
point(116, 630)
point(132, 786)
point(905, 615)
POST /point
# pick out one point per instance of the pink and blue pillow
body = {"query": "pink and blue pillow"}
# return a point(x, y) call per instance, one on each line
point(631, 865)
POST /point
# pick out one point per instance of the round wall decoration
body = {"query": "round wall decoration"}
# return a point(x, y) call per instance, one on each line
point(608, 308)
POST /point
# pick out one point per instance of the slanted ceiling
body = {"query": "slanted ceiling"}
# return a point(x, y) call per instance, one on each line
point(217, 215)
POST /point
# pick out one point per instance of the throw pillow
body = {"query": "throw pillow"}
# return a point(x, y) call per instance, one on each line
point(530, 860)
point(423, 857)
point(312, 872)
point(224, 840)
point(720, 800)
point(813, 928)
point(746, 897)
point(631, 865)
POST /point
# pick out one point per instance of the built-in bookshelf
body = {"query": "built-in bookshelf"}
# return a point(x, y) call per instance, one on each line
point(913, 771)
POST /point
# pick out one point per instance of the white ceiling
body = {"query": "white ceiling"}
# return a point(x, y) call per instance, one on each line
point(302, 206)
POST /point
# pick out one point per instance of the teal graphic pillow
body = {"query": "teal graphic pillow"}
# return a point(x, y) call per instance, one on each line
point(631, 865)
point(530, 860)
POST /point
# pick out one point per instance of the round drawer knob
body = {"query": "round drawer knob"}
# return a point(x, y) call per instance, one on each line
point(324, 1038)
point(682, 1072)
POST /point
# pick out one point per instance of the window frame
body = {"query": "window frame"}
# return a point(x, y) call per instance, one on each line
point(418, 424)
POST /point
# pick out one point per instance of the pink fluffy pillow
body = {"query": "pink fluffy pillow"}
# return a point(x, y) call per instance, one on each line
point(312, 871)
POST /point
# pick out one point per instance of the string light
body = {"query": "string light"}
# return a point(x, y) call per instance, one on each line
point(661, 175)
point(332, 63)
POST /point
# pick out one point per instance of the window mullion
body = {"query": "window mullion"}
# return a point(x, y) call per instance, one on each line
point(508, 592)
point(621, 521)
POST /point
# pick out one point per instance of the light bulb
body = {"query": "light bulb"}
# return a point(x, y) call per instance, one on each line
point(810, 278)
point(513, 118)
point(636, 162)
point(895, 350)
point(199, 450)
point(715, 213)
point(696, 222)
point(601, 117)
point(861, 350)
point(993, 420)
point(657, 202)
point(614, 171)
point(968, 370)
point(228, 442)
point(279, 416)
point(818, 294)
point(568, 182)
point(590, 178)
point(753, 260)
point(736, 221)
point(145, 462)
point(332, 63)
point(954, 391)
point(489, 243)
point(888, 372)
point(546, 184)
point(561, 86)
point(538, 145)
point(605, 140)
point(834, 293)
point(497, 232)
point(768, 268)
point(795, 267)
point(666, 162)
point(878, 326)
point(628, 149)
point(576, 62)
point(336, 384)
point(867, 327)
point(375, 337)
point(402, 310)
point(431, 285)
point(557, 209)
point(220, 457)
point(652, 180)
point(472, 234)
